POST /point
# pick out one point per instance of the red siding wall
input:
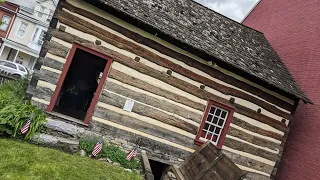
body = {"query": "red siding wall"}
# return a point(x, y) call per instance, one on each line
point(293, 29)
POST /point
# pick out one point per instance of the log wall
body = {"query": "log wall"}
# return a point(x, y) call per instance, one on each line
point(168, 108)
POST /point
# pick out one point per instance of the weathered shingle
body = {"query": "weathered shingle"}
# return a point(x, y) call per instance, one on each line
point(218, 36)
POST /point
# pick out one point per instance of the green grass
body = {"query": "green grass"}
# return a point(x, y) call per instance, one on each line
point(23, 161)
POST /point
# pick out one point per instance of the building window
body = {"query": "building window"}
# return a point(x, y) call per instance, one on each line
point(41, 11)
point(38, 36)
point(22, 29)
point(215, 124)
point(5, 22)
point(50, 15)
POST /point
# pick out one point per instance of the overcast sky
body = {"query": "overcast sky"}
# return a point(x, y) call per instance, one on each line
point(234, 9)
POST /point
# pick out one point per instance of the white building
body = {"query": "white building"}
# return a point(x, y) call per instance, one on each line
point(25, 39)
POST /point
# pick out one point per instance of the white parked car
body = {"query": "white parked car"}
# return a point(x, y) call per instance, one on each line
point(12, 69)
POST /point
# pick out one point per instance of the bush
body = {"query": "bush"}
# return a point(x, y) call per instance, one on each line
point(14, 111)
point(114, 153)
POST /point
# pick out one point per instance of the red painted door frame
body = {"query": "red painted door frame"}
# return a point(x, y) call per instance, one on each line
point(65, 71)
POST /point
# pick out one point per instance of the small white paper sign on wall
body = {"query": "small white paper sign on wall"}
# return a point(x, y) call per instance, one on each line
point(128, 105)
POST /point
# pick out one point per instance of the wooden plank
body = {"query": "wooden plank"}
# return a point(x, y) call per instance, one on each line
point(143, 127)
point(40, 92)
point(47, 76)
point(248, 162)
point(189, 88)
point(187, 60)
point(209, 167)
point(117, 101)
point(51, 63)
point(255, 176)
point(153, 101)
point(127, 79)
point(240, 146)
point(154, 149)
point(253, 139)
point(56, 49)
point(255, 129)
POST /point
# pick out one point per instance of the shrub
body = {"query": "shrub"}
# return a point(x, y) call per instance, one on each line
point(14, 111)
point(114, 153)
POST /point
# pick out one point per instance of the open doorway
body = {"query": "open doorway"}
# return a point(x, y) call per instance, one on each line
point(157, 168)
point(80, 84)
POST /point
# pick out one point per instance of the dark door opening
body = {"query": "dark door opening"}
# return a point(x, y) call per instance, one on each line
point(157, 168)
point(80, 84)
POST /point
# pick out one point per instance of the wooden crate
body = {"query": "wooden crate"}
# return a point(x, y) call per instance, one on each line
point(206, 163)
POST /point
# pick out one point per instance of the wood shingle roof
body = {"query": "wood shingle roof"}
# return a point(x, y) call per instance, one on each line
point(224, 39)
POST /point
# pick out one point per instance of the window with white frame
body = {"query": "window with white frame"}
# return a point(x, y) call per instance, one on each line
point(38, 36)
point(41, 11)
point(22, 29)
point(5, 22)
point(215, 124)
point(50, 15)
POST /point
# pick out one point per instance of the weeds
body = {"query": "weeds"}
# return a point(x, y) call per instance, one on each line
point(14, 111)
point(114, 153)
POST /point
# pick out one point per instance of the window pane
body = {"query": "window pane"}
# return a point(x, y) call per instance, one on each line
point(21, 69)
point(217, 130)
point(10, 65)
point(209, 118)
point(218, 111)
point(211, 128)
point(22, 29)
point(221, 122)
point(223, 114)
point(34, 38)
point(206, 126)
point(212, 110)
point(5, 22)
point(215, 120)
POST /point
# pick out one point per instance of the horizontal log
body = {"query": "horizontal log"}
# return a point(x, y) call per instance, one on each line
point(140, 51)
point(153, 101)
point(155, 149)
point(117, 101)
point(51, 63)
point(47, 76)
point(256, 129)
point(39, 105)
point(124, 78)
point(40, 92)
point(163, 77)
point(255, 176)
point(56, 49)
point(144, 127)
point(253, 139)
point(248, 162)
point(240, 146)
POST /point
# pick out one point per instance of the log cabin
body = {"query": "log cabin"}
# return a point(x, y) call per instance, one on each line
point(167, 76)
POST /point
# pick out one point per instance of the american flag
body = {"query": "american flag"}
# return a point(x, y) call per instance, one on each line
point(98, 147)
point(26, 127)
point(132, 154)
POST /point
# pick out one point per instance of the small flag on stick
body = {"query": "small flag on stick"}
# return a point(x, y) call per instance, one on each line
point(132, 153)
point(98, 147)
point(26, 127)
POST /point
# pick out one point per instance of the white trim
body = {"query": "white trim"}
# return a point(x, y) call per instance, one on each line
point(18, 29)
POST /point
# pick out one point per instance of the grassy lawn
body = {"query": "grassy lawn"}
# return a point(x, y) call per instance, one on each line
point(24, 161)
